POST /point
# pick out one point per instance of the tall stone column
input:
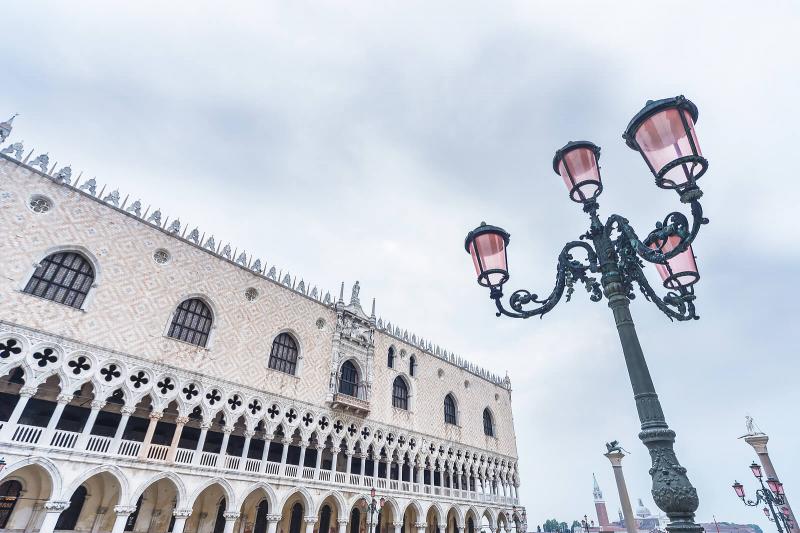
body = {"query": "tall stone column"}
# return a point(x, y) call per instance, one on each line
point(349, 455)
point(284, 454)
point(272, 522)
point(318, 463)
point(63, 400)
point(615, 457)
point(201, 441)
point(25, 394)
point(759, 443)
point(181, 515)
point(230, 520)
point(334, 460)
point(87, 427)
point(155, 416)
point(223, 450)
point(180, 422)
point(301, 462)
point(265, 454)
point(398, 527)
point(52, 511)
point(126, 413)
point(248, 435)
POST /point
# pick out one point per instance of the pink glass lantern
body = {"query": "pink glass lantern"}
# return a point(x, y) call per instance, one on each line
point(766, 512)
point(756, 469)
point(663, 132)
point(487, 246)
point(372, 492)
point(780, 489)
point(772, 483)
point(739, 488)
point(576, 163)
point(785, 511)
point(680, 271)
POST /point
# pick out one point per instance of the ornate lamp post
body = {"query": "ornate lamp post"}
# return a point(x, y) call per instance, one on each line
point(663, 133)
point(772, 494)
point(585, 524)
point(372, 507)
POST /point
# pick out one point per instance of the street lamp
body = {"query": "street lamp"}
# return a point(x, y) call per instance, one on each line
point(585, 524)
point(374, 506)
point(663, 133)
point(771, 494)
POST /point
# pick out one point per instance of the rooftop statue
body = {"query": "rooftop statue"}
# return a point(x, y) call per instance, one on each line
point(13, 149)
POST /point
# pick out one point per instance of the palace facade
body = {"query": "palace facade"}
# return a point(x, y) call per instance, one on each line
point(154, 381)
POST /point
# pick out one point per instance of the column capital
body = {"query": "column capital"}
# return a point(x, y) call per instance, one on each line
point(230, 515)
point(124, 510)
point(228, 429)
point(52, 506)
point(64, 398)
point(273, 518)
point(205, 426)
point(249, 434)
point(312, 519)
point(420, 524)
point(156, 415)
point(98, 404)
point(758, 442)
point(127, 410)
point(397, 524)
point(182, 420)
point(341, 521)
point(27, 392)
point(182, 513)
point(616, 458)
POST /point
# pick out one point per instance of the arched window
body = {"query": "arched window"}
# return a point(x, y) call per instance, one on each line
point(283, 356)
point(488, 423)
point(470, 525)
point(9, 492)
point(297, 518)
point(400, 393)
point(219, 522)
point(131, 521)
point(191, 322)
point(261, 517)
point(348, 383)
point(63, 277)
point(325, 519)
point(69, 516)
point(412, 366)
point(449, 409)
point(355, 520)
point(390, 357)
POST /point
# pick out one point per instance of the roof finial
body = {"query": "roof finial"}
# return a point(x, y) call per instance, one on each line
point(341, 294)
point(373, 309)
point(6, 127)
point(354, 295)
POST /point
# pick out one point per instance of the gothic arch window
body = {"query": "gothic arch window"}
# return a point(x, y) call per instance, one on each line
point(348, 382)
point(261, 517)
point(283, 356)
point(63, 277)
point(297, 518)
point(400, 393)
point(131, 521)
point(450, 410)
point(9, 493)
point(488, 423)
point(325, 519)
point(355, 520)
point(191, 322)
point(412, 366)
point(69, 516)
point(390, 357)
point(219, 522)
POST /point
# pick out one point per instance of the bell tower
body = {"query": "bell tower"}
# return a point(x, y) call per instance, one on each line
point(600, 505)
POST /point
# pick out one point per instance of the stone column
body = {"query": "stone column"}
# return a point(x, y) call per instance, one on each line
point(122, 512)
point(201, 441)
point(25, 394)
point(310, 521)
point(318, 464)
point(342, 525)
point(398, 527)
point(230, 519)
point(284, 454)
point(265, 455)
point(155, 416)
point(420, 475)
point(272, 522)
point(52, 511)
point(627, 511)
point(248, 435)
point(176, 438)
point(421, 526)
point(63, 400)
point(223, 450)
point(126, 413)
point(302, 460)
point(334, 459)
point(349, 455)
point(87, 427)
point(181, 515)
point(759, 443)
point(375, 470)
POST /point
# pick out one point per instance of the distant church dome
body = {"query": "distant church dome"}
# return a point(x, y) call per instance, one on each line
point(642, 511)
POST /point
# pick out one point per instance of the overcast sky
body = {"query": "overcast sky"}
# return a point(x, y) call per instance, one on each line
point(348, 141)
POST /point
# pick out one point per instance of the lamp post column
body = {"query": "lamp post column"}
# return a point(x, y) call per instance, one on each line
point(672, 491)
point(759, 443)
point(627, 511)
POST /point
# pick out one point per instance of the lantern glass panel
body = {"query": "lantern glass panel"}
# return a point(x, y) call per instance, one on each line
point(681, 270)
point(756, 469)
point(766, 512)
point(662, 138)
point(773, 485)
point(578, 168)
point(739, 488)
point(488, 251)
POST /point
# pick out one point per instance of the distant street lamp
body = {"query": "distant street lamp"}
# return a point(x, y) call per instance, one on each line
point(773, 495)
point(585, 524)
point(372, 507)
point(663, 133)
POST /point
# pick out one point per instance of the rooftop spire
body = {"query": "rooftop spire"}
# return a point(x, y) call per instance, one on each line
point(6, 127)
point(598, 494)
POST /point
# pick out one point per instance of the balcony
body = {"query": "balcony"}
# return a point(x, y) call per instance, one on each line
point(27, 438)
point(351, 398)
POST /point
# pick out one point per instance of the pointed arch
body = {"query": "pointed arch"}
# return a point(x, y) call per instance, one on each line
point(341, 503)
point(415, 505)
point(56, 482)
point(272, 497)
point(305, 495)
point(450, 409)
point(227, 490)
point(112, 470)
point(488, 422)
point(459, 515)
point(180, 488)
